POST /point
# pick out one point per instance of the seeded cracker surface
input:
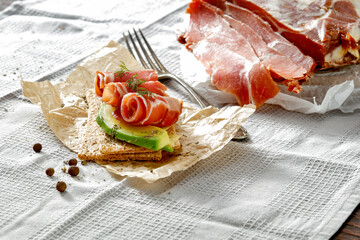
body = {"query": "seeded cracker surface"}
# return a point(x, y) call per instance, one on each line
point(97, 145)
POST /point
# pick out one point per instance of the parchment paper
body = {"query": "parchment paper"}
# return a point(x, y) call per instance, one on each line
point(202, 132)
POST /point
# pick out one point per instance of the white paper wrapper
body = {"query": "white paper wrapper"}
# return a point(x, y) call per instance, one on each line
point(202, 132)
point(325, 91)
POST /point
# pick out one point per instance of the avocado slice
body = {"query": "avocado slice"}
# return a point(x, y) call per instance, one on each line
point(150, 137)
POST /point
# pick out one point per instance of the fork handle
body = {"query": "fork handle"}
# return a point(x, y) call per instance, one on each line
point(202, 102)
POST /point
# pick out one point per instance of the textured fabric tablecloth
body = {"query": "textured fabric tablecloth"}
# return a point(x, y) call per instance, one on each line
point(296, 177)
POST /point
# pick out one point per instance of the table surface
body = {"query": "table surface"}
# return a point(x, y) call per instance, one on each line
point(349, 230)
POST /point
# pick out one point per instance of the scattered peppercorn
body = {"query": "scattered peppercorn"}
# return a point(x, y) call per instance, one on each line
point(37, 147)
point(73, 171)
point(49, 171)
point(73, 162)
point(83, 162)
point(61, 186)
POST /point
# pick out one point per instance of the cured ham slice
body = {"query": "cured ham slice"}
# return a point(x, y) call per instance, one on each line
point(103, 78)
point(154, 110)
point(271, 38)
point(290, 67)
point(281, 66)
point(115, 91)
point(227, 56)
point(138, 98)
point(326, 30)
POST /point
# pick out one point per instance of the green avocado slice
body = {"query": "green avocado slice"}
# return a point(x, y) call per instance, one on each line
point(150, 137)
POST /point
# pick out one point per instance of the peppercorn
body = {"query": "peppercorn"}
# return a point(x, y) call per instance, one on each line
point(73, 162)
point(61, 186)
point(49, 171)
point(73, 171)
point(37, 147)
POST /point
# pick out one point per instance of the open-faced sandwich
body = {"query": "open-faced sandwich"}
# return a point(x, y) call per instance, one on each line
point(131, 117)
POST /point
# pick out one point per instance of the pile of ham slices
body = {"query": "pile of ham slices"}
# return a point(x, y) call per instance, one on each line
point(143, 104)
point(249, 46)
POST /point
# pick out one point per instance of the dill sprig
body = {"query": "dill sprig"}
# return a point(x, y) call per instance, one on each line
point(123, 69)
point(133, 83)
point(143, 92)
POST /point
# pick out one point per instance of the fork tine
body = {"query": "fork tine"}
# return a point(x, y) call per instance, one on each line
point(145, 52)
point(128, 45)
point(152, 52)
point(137, 52)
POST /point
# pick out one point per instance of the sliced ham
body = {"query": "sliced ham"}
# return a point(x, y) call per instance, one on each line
point(103, 78)
point(290, 67)
point(282, 67)
point(271, 38)
point(138, 98)
point(115, 91)
point(227, 56)
point(153, 110)
point(326, 30)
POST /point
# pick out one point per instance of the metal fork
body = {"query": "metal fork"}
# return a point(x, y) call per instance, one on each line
point(163, 73)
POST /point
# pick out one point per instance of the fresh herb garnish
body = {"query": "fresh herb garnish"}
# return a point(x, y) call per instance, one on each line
point(123, 69)
point(143, 92)
point(133, 83)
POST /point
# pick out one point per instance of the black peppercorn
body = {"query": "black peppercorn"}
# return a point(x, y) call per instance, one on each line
point(61, 186)
point(73, 171)
point(37, 147)
point(49, 171)
point(73, 162)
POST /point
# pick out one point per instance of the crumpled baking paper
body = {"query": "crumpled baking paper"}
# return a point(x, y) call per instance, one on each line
point(326, 90)
point(202, 132)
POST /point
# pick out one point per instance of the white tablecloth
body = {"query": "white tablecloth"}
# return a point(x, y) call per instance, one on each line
point(296, 177)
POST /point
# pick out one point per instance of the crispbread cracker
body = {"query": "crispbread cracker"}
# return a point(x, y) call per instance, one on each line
point(109, 145)
point(94, 139)
point(172, 135)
